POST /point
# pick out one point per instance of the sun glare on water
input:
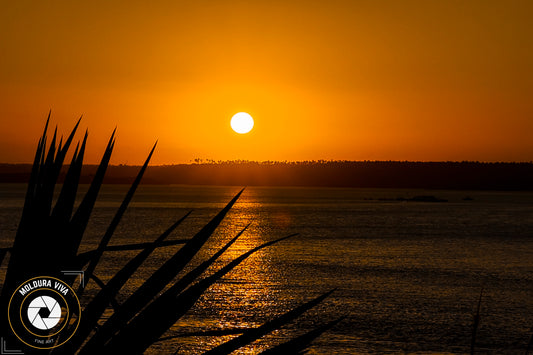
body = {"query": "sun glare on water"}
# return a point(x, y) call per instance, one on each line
point(242, 122)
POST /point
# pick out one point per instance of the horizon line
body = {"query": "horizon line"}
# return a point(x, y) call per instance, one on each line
point(318, 161)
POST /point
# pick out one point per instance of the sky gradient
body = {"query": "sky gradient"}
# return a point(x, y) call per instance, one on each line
point(350, 80)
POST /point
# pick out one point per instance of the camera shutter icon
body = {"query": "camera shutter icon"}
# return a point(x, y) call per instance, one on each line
point(44, 312)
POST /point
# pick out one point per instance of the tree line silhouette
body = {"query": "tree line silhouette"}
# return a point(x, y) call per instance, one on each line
point(378, 174)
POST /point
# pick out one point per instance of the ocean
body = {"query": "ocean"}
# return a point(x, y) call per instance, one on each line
point(408, 274)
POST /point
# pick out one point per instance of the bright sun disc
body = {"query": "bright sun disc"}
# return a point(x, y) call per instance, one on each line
point(242, 122)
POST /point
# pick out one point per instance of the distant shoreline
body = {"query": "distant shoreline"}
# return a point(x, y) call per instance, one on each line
point(375, 174)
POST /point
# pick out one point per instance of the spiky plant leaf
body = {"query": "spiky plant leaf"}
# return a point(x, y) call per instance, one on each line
point(67, 197)
point(214, 332)
point(255, 333)
point(16, 269)
point(169, 307)
point(475, 324)
point(3, 253)
point(162, 276)
point(81, 216)
point(32, 183)
point(100, 337)
point(113, 301)
point(116, 219)
point(300, 344)
point(86, 256)
point(94, 310)
point(83, 258)
point(36, 237)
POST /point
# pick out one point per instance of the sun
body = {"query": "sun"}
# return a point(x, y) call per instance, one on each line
point(242, 122)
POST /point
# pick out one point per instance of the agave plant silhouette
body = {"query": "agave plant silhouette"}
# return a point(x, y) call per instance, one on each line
point(50, 237)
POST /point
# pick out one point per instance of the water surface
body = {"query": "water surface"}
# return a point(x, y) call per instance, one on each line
point(408, 273)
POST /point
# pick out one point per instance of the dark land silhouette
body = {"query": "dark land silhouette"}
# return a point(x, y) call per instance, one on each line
point(377, 174)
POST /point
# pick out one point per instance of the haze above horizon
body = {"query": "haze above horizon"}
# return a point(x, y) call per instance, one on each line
point(340, 80)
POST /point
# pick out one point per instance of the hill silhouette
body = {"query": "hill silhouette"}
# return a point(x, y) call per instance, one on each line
point(378, 174)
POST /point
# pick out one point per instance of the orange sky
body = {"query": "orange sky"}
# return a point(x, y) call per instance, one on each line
point(357, 80)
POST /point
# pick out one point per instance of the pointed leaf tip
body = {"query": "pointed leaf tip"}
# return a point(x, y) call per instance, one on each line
point(155, 145)
point(46, 125)
point(77, 123)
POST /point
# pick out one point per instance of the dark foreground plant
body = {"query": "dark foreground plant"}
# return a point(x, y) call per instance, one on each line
point(48, 240)
point(475, 324)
